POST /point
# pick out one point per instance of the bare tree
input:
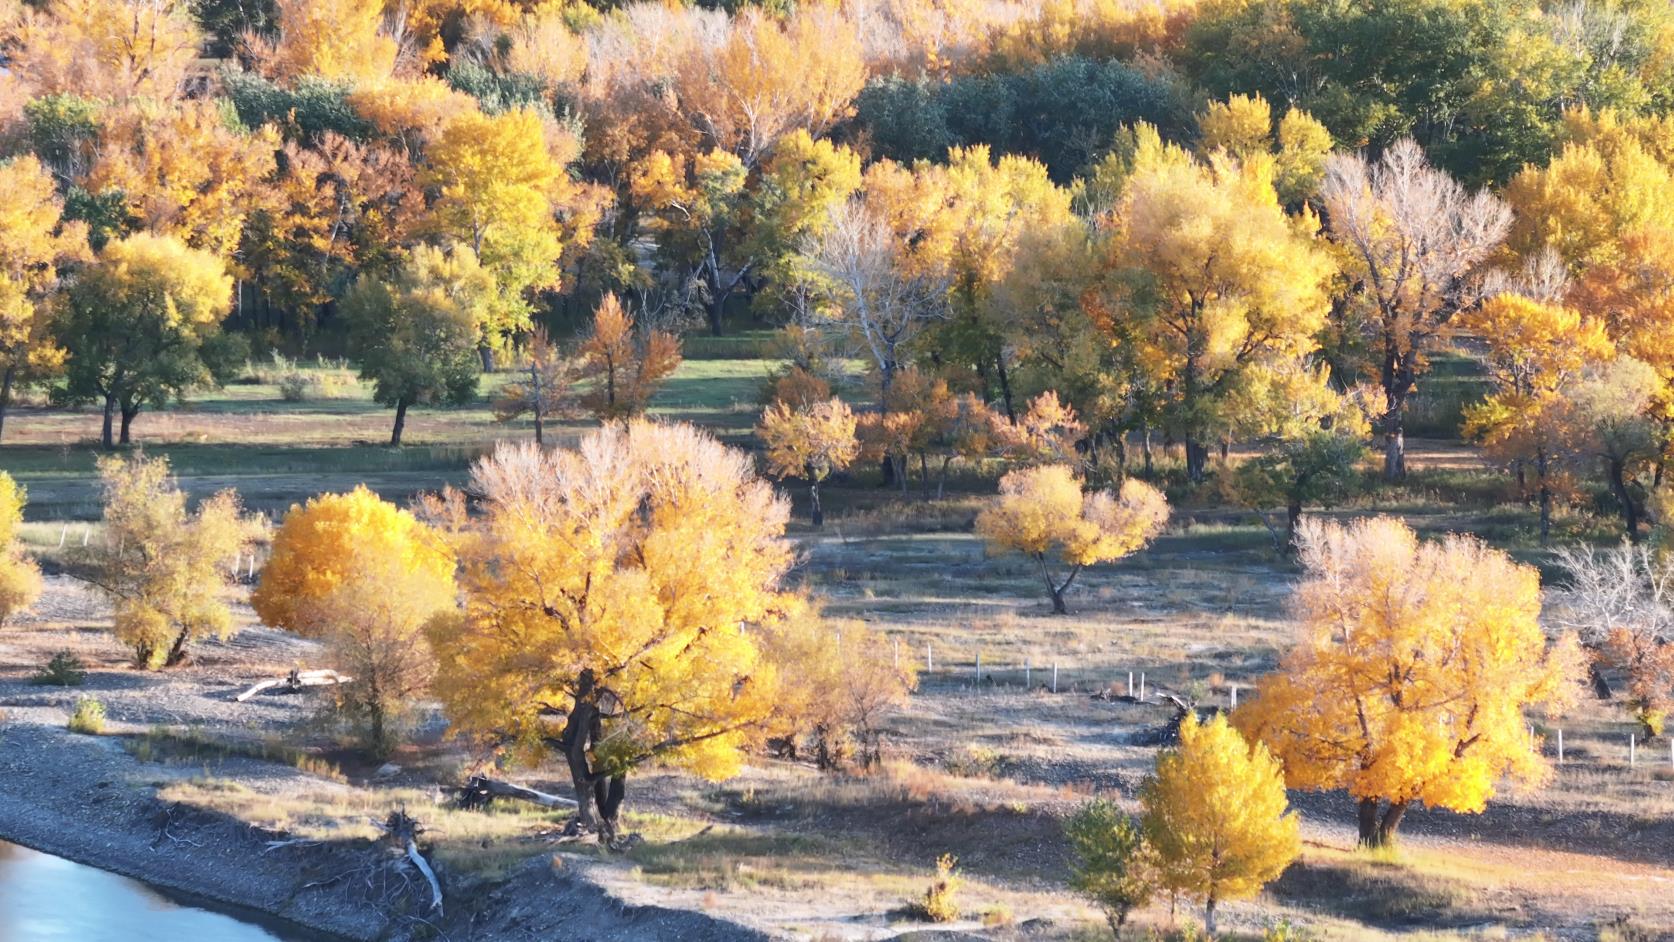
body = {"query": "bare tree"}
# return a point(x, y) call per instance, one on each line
point(1620, 603)
point(1417, 239)
point(863, 273)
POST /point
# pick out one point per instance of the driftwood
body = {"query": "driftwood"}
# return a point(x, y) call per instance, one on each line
point(295, 682)
point(479, 790)
point(402, 830)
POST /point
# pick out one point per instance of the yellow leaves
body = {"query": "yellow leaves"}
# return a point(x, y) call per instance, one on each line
point(20, 578)
point(321, 543)
point(641, 559)
point(1215, 814)
point(1042, 511)
point(32, 245)
point(166, 569)
point(1413, 668)
point(113, 49)
point(336, 40)
point(1634, 296)
point(808, 441)
point(193, 285)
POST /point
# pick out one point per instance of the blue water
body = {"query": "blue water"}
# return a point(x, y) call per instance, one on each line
point(48, 899)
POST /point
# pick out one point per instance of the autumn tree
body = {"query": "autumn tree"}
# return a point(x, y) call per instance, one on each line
point(1242, 127)
point(1043, 513)
point(1215, 814)
point(499, 185)
point(142, 324)
point(1210, 277)
point(335, 40)
point(167, 569)
point(625, 364)
point(545, 387)
point(1311, 439)
point(1605, 420)
point(34, 240)
point(1536, 351)
point(363, 577)
point(1114, 866)
point(416, 334)
point(809, 442)
point(609, 593)
point(1415, 238)
point(838, 681)
point(108, 49)
point(20, 578)
point(1412, 672)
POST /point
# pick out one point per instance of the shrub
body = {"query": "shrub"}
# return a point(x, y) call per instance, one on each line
point(64, 670)
point(1113, 867)
point(20, 583)
point(88, 717)
point(941, 898)
point(294, 386)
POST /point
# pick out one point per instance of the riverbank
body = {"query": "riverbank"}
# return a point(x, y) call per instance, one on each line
point(111, 801)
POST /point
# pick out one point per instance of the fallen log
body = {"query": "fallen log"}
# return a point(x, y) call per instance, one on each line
point(295, 682)
point(403, 830)
point(479, 790)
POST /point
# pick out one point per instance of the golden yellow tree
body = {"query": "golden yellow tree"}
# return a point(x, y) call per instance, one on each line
point(1216, 818)
point(167, 570)
point(20, 578)
point(1535, 350)
point(1210, 277)
point(1410, 679)
point(364, 577)
point(335, 40)
point(809, 442)
point(318, 543)
point(32, 244)
point(108, 49)
point(609, 597)
point(1042, 513)
point(626, 367)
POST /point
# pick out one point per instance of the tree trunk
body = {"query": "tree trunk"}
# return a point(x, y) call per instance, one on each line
point(1197, 460)
point(1391, 823)
point(400, 422)
point(127, 415)
point(1005, 389)
point(107, 435)
point(1293, 516)
point(714, 310)
point(177, 650)
point(6, 395)
point(815, 512)
point(1618, 488)
point(1367, 812)
point(539, 431)
point(607, 795)
point(1145, 446)
point(1209, 916)
point(1394, 442)
point(1545, 497)
point(487, 354)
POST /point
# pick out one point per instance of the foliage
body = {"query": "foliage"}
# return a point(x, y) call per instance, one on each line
point(88, 717)
point(416, 334)
point(1114, 867)
point(548, 393)
point(625, 364)
point(809, 442)
point(1412, 672)
point(940, 902)
point(1215, 815)
point(20, 578)
point(1043, 513)
point(64, 669)
point(34, 241)
point(142, 324)
point(618, 579)
point(1620, 602)
point(166, 569)
point(316, 548)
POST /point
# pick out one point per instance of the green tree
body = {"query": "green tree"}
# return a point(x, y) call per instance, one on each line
point(416, 334)
point(1113, 865)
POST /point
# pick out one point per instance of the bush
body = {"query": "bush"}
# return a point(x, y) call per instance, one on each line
point(20, 583)
point(64, 670)
point(1113, 866)
point(294, 386)
point(941, 899)
point(88, 717)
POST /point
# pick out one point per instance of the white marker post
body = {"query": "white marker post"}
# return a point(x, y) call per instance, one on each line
point(1235, 696)
point(1130, 683)
point(1054, 677)
point(1026, 674)
point(1141, 686)
point(62, 534)
point(929, 659)
point(1561, 747)
point(1633, 750)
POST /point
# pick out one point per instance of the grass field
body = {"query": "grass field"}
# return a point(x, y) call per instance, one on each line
point(1012, 726)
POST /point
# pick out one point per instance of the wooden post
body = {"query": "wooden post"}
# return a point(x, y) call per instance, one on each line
point(1560, 747)
point(252, 566)
point(1633, 749)
point(929, 659)
point(1235, 696)
point(1054, 676)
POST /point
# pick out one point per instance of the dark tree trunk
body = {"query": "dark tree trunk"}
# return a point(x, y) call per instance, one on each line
point(1293, 516)
point(1197, 460)
point(1618, 488)
point(1379, 830)
point(1545, 497)
point(6, 395)
point(107, 434)
point(1005, 389)
point(128, 413)
point(1367, 812)
point(177, 650)
point(487, 354)
point(816, 513)
point(400, 423)
point(539, 431)
point(607, 796)
point(1391, 823)
point(1209, 916)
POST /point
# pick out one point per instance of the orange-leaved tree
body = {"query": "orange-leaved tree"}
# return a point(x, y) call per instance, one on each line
point(1415, 665)
point(809, 442)
point(1215, 816)
point(20, 578)
point(1042, 513)
point(609, 597)
point(625, 364)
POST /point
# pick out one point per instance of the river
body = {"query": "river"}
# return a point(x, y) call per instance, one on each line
point(48, 899)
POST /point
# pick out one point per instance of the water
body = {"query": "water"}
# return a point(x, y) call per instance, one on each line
point(47, 899)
